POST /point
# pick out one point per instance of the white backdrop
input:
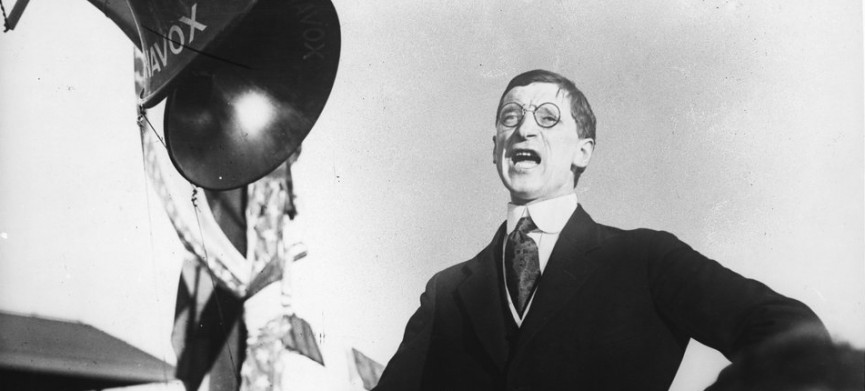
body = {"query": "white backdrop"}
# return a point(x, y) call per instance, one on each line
point(738, 126)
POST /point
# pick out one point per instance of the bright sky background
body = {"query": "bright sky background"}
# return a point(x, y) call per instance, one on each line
point(738, 126)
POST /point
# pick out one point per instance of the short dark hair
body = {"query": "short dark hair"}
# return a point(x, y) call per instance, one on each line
point(580, 109)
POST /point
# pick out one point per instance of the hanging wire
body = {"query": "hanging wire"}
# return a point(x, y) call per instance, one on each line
point(143, 114)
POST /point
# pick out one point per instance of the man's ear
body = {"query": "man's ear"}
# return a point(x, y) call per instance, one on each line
point(584, 153)
point(495, 158)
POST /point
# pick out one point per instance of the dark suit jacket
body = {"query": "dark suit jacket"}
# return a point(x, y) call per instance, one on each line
point(614, 310)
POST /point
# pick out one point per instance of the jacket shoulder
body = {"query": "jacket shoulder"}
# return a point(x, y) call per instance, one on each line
point(648, 236)
point(454, 274)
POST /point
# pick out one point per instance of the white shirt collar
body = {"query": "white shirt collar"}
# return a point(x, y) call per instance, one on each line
point(549, 215)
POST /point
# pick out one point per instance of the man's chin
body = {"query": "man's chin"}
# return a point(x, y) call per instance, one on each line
point(523, 196)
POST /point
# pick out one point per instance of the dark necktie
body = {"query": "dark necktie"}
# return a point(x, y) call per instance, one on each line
point(522, 265)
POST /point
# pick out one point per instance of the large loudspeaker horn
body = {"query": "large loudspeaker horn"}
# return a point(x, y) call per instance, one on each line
point(245, 81)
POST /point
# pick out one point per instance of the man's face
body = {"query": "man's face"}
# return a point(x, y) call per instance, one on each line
point(537, 163)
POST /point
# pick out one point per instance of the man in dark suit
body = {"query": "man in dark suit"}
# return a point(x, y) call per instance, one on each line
point(557, 301)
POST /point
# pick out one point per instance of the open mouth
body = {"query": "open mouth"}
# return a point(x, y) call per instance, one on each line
point(525, 158)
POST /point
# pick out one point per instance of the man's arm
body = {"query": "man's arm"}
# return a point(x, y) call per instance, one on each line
point(404, 371)
point(715, 305)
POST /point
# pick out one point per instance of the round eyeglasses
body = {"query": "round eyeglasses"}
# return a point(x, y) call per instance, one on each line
point(546, 115)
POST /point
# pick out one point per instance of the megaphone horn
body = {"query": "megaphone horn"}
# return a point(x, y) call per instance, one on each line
point(251, 88)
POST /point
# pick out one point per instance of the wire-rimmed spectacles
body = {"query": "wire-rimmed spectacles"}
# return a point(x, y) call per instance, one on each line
point(546, 115)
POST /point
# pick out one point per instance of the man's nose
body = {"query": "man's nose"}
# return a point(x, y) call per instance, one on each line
point(528, 128)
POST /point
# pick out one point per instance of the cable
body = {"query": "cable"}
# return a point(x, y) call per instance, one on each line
point(142, 113)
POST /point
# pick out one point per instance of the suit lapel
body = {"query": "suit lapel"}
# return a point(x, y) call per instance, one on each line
point(566, 271)
point(480, 293)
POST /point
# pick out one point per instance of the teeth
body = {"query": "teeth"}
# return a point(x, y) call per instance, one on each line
point(525, 156)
